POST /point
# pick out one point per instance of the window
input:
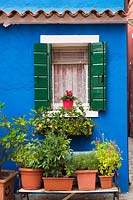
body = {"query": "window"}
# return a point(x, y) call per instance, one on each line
point(69, 71)
point(79, 66)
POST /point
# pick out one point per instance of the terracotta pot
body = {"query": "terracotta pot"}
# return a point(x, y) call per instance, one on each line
point(86, 179)
point(7, 179)
point(106, 181)
point(53, 183)
point(68, 104)
point(31, 178)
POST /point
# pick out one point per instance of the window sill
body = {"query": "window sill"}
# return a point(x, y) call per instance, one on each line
point(89, 113)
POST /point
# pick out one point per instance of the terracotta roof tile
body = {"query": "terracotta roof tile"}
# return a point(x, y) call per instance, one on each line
point(93, 16)
point(108, 12)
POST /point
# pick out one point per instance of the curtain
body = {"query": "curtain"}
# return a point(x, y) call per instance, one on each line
point(70, 77)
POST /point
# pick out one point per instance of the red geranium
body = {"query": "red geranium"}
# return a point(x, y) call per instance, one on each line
point(68, 95)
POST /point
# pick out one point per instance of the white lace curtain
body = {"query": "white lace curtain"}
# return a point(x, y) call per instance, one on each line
point(70, 77)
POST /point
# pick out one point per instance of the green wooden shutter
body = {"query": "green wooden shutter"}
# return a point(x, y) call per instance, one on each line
point(97, 55)
point(42, 75)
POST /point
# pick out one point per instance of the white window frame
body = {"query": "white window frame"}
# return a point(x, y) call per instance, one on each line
point(71, 40)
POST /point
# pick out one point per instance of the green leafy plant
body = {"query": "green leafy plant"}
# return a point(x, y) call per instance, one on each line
point(109, 156)
point(12, 133)
point(62, 122)
point(29, 154)
point(57, 156)
point(15, 143)
point(85, 161)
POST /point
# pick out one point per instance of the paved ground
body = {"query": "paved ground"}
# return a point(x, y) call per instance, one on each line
point(128, 196)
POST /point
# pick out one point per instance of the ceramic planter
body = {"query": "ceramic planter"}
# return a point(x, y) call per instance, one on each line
point(68, 104)
point(31, 179)
point(105, 181)
point(7, 179)
point(86, 179)
point(53, 183)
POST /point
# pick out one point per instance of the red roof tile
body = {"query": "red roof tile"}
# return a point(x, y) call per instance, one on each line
point(109, 13)
point(67, 16)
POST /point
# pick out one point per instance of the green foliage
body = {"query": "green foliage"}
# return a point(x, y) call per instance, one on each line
point(62, 122)
point(109, 156)
point(12, 133)
point(85, 161)
point(29, 154)
point(57, 156)
point(15, 144)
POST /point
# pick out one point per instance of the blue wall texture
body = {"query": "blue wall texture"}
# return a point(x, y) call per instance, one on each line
point(17, 81)
point(61, 5)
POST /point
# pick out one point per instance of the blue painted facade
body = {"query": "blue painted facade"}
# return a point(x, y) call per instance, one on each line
point(17, 67)
point(17, 78)
point(60, 6)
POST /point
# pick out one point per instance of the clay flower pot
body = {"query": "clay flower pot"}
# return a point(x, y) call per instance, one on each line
point(106, 181)
point(7, 180)
point(56, 184)
point(31, 178)
point(86, 179)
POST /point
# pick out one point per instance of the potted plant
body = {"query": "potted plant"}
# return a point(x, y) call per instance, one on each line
point(19, 148)
point(57, 163)
point(69, 122)
point(7, 177)
point(86, 165)
point(68, 99)
point(109, 157)
point(28, 156)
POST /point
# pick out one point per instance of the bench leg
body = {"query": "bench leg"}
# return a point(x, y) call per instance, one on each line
point(23, 196)
point(116, 195)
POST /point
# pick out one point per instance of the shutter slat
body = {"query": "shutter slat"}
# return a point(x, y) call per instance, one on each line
point(42, 75)
point(97, 55)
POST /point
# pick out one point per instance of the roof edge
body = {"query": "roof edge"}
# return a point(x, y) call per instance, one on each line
point(41, 17)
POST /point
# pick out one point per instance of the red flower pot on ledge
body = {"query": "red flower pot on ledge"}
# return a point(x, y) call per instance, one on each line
point(68, 104)
point(68, 99)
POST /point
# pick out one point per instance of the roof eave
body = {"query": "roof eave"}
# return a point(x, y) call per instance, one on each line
point(67, 17)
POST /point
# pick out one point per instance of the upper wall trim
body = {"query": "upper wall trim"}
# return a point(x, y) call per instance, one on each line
point(41, 17)
point(65, 39)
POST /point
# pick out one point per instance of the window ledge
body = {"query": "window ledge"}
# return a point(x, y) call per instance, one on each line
point(89, 113)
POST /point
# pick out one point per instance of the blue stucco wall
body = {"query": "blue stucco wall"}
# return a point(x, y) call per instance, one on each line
point(17, 81)
point(61, 5)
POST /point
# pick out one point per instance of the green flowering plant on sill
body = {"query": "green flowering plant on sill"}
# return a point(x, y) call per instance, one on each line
point(109, 156)
point(63, 122)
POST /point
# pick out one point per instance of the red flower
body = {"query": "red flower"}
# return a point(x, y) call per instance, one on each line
point(68, 95)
